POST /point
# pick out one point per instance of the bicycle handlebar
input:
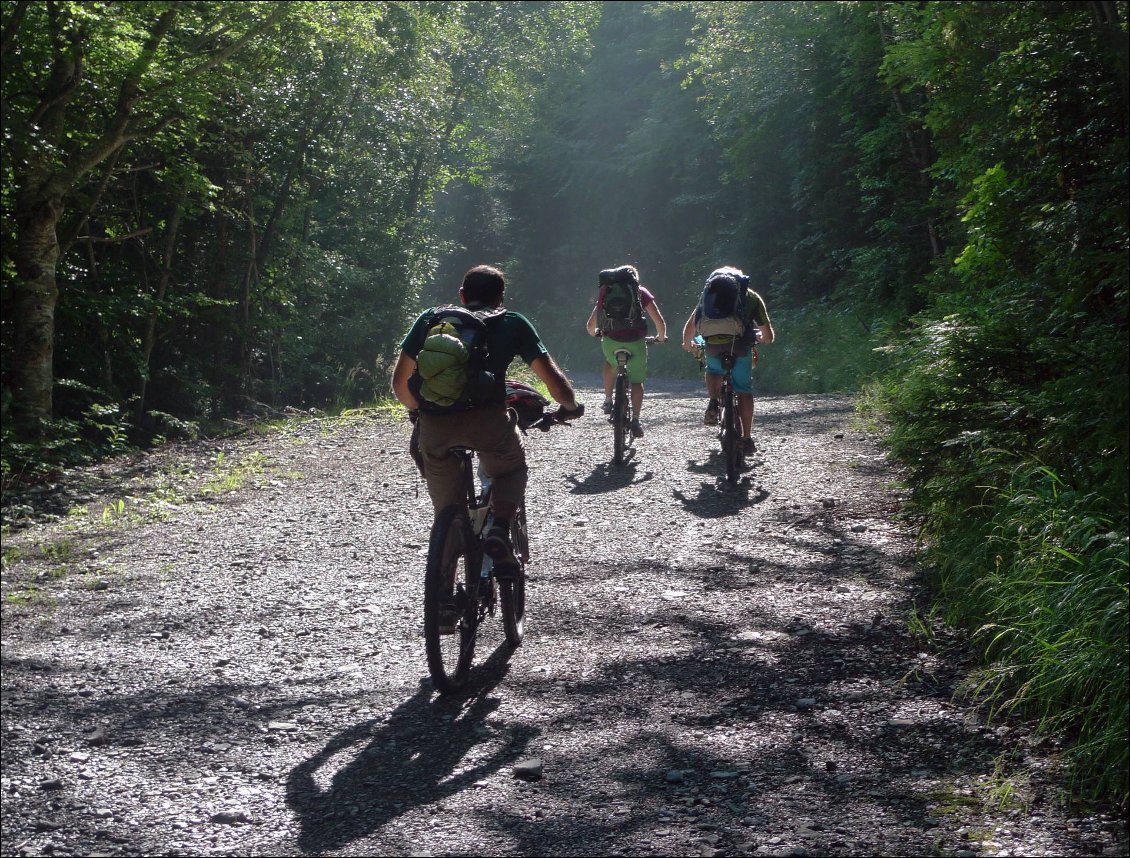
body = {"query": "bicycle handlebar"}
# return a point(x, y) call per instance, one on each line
point(649, 339)
point(560, 416)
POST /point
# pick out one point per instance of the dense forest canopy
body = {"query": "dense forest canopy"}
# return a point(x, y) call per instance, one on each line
point(211, 208)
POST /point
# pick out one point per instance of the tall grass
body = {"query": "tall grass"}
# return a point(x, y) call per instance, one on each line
point(1041, 573)
point(1017, 459)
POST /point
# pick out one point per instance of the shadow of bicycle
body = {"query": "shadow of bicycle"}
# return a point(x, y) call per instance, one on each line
point(606, 477)
point(427, 748)
point(718, 498)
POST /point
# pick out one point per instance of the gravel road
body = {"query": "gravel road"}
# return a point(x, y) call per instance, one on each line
point(219, 651)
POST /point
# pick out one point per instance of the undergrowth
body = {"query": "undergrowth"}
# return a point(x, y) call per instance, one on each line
point(1016, 460)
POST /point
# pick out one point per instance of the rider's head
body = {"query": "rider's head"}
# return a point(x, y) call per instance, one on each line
point(727, 274)
point(727, 271)
point(482, 285)
point(623, 274)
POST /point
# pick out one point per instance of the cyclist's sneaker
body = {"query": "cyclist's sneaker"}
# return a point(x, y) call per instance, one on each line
point(711, 416)
point(497, 546)
point(637, 430)
point(748, 447)
point(448, 617)
point(607, 406)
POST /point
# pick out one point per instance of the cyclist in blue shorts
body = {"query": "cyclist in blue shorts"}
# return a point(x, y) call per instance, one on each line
point(745, 321)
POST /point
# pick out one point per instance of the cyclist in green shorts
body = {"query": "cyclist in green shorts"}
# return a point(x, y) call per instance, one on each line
point(618, 318)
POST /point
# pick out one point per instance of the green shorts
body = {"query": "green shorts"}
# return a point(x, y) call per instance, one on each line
point(637, 363)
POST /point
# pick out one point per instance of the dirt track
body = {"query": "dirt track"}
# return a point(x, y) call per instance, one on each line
point(238, 668)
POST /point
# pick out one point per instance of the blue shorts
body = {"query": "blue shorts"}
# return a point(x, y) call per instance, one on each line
point(742, 372)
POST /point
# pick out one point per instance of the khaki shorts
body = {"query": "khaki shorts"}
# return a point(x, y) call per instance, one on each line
point(489, 432)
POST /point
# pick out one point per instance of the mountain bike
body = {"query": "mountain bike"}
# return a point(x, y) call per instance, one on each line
point(458, 565)
point(729, 423)
point(620, 418)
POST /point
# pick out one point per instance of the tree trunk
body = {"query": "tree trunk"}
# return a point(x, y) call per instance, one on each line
point(34, 295)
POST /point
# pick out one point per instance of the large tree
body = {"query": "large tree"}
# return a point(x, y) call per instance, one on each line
point(81, 82)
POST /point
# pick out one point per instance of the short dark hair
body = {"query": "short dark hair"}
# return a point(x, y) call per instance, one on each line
point(483, 285)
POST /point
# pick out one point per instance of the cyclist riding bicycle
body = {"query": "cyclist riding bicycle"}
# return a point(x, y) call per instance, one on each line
point(618, 318)
point(461, 403)
point(730, 318)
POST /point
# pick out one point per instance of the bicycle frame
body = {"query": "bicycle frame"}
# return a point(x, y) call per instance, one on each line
point(460, 573)
point(478, 492)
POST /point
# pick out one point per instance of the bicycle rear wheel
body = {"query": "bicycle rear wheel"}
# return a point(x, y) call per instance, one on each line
point(453, 569)
point(619, 419)
point(731, 443)
point(512, 591)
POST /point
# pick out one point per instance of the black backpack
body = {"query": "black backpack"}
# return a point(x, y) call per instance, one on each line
point(622, 309)
point(722, 311)
point(451, 372)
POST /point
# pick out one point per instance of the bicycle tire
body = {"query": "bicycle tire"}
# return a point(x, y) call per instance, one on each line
point(452, 545)
point(619, 419)
point(512, 592)
point(731, 448)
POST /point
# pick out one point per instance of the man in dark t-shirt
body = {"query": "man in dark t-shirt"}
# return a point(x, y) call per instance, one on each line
point(487, 428)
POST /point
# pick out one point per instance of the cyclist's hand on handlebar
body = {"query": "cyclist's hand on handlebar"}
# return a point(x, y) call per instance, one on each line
point(561, 416)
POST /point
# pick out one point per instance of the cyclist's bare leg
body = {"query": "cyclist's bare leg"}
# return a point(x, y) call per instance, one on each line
point(637, 399)
point(745, 413)
point(713, 385)
point(609, 377)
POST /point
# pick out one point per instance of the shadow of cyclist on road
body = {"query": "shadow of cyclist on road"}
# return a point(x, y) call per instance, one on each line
point(607, 477)
point(393, 765)
point(718, 499)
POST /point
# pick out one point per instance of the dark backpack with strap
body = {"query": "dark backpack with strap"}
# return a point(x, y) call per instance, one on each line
point(622, 309)
point(451, 372)
point(722, 309)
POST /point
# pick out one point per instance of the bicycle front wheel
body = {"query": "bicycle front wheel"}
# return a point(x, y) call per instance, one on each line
point(619, 419)
point(512, 591)
point(452, 574)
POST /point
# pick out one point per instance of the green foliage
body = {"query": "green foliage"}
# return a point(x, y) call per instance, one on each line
point(265, 239)
point(1008, 394)
point(1041, 571)
point(821, 348)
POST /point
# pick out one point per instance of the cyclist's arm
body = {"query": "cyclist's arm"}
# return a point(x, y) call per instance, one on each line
point(688, 332)
point(590, 325)
point(759, 317)
point(560, 389)
point(767, 332)
point(400, 375)
point(660, 323)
